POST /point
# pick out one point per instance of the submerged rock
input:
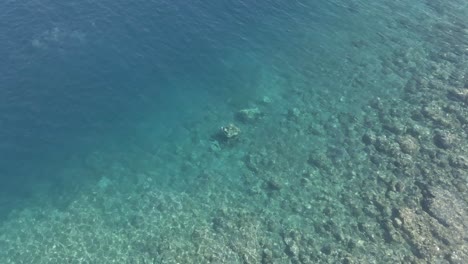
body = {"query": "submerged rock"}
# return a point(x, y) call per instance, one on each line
point(319, 160)
point(294, 113)
point(458, 95)
point(458, 161)
point(440, 230)
point(248, 115)
point(444, 139)
point(448, 208)
point(387, 146)
point(369, 138)
point(229, 132)
point(266, 100)
point(408, 145)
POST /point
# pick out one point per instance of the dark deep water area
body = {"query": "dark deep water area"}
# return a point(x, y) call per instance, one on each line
point(77, 74)
point(233, 131)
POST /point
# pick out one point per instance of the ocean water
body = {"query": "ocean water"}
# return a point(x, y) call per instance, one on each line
point(351, 143)
point(75, 76)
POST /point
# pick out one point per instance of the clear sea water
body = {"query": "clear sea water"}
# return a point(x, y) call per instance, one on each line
point(96, 91)
point(79, 76)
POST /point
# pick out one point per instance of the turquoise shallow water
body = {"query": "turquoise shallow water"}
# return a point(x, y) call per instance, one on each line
point(233, 132)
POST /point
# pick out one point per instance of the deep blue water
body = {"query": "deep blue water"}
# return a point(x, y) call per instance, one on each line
point(78, 74)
